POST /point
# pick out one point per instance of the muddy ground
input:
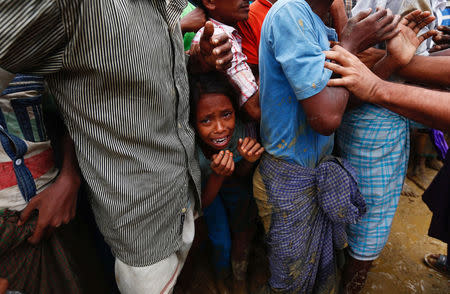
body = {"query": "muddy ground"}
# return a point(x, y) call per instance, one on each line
point(400, 268)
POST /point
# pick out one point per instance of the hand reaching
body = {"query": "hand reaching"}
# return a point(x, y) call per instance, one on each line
point(364, 31)
point(212, 52)
point(222, 163)
point(441, 39)
point(355, 76)
point(403, 46)
point(250, 149)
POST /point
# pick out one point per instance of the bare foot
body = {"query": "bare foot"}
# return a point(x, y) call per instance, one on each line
point(435, 164)
point(408, 191)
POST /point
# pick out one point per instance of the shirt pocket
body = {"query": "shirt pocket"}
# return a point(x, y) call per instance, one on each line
point(29, 118)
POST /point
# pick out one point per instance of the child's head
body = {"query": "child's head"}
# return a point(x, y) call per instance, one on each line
point(226, 11)
point(213, 109)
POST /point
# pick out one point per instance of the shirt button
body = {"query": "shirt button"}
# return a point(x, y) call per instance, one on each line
point(18, 161)
point(179, 125)
point(184, 210)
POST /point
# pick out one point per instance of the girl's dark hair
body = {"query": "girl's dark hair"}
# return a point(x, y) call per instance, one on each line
point(210, 83)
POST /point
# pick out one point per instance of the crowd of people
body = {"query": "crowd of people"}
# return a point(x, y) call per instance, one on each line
point(289, 119)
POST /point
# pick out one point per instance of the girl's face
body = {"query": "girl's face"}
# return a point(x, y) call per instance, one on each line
point(215, 120)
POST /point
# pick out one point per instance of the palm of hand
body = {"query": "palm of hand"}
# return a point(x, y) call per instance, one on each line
point(403, 46)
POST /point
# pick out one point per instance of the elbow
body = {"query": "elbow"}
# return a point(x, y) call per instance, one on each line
point(325, 126)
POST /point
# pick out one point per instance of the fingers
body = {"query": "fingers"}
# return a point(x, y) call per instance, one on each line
point(29, 209)
point(340, 55)
point(208, 32)
point(217, 158)
point(427, 35)
point(444, 29)
point(336, 68)
point(254, 149)
point(441, 39)
point(38, 232)
point(222, 53)
point(389, 27)
point(336, 83)
point(362, 15)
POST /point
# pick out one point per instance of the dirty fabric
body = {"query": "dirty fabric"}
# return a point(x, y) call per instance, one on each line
point(44, 268)
point(308, 210)
point(376, 143)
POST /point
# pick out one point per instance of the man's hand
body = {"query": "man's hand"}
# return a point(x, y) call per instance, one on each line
point(56, 205)
point(403, 47)
point(250, 149)
point(212, 52)
point(222, 163)
point(356, 77)
point(364, 31)
point(442, 39)
point(193, 21)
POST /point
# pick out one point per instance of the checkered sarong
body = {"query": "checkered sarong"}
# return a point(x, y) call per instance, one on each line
point(376, 143)
point(41, 269)
point(309, 209)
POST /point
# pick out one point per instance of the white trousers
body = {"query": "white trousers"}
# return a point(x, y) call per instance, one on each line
point(158, 278)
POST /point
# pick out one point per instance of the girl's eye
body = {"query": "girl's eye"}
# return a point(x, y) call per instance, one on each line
point(227, 114)
point(204, 121)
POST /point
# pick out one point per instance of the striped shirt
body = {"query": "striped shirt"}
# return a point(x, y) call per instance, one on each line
point(239, 71)
point(117, 72)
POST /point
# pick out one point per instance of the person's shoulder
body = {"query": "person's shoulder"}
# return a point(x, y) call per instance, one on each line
point(284, 10)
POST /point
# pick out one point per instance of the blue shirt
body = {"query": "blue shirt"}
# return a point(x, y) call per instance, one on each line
point(291, 64)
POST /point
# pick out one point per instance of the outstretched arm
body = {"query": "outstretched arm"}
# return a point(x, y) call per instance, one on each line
point(213, 52)
point(429, 107)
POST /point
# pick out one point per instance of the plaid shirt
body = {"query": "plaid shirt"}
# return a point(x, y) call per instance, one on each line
point(239, 72)
point(349, 4)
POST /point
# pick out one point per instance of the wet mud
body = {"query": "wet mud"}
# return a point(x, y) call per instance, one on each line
point(400, 268)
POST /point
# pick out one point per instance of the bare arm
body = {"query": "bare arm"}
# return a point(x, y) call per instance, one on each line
point(252, 107)
point(432, 70)
point(339, 16)
point(57, 203)
point(324, 110)
point(426, 106)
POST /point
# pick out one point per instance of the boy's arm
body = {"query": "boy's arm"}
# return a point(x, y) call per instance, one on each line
point(57, 203)
point(212, 187)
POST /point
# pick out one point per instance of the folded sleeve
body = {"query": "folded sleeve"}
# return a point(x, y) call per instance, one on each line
point(295, 43)
point(32, 36)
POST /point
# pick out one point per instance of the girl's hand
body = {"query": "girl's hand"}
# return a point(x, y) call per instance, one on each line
point(222, 163)
point(250, 149)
